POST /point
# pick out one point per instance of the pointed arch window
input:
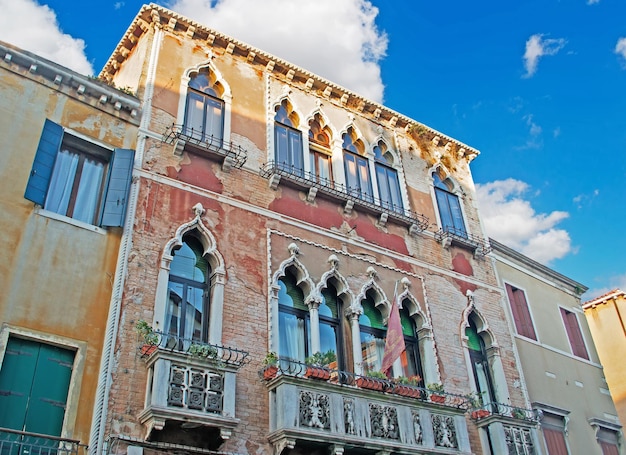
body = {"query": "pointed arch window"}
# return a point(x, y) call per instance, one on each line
point(387, 179)
point(449, 207)
point(319, 151)
point(481, 369)
point(331, 330)
point(288, 140)
point(204, 110)
point(373, 334)
point(356, 167)
point(188, 290)
point(410, 358)
point(293, 320)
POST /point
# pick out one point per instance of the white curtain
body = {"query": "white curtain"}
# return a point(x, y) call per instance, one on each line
point(88, 191)
point(292, 337)
point(61, 182)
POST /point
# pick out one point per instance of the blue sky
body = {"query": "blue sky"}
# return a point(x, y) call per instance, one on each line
point(537, 86)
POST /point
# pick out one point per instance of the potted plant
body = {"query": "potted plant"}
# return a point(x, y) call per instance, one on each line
point(149, 337)
point(318, 365)
point(436, 392)
point(407, 386)
point(271, 365)
point(373, 380)
point(202, 350)
point(518, 413)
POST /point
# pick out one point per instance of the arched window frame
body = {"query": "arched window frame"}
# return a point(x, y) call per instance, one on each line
point(225, 97)
point(387, 177)
point(287, 138)
point(216, 279)
point(448, 198)
point(321, 163)
point(358, 181)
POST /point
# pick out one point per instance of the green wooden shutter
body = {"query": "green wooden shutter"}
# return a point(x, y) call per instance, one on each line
point(116, 198)
point(16, 377)
point(46, 154)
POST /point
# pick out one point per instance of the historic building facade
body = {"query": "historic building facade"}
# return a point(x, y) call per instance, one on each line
point(277, 216)
point(562, 373)
point(66, 166)
point(606, 316)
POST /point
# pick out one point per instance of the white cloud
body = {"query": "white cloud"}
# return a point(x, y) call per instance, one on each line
point(34, 27)
point(537, 47)
point(592, 2)
point(620, 47)
point(337, 39)
point(510, 219)
point(615, 282)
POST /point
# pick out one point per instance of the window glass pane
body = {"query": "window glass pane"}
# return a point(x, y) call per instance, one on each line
point(394, 189)
point(194, 116)
point(444, 209)
point(383, 186)
point(214, 120)
point(364, 178)
point(281, 145)
point(371, 317)
point(88, 195)
point(328, 338)
point(409, 359)
point(372, 349)
point(351, 176)
point(62, 182)
point(189, 263)
point(455, 210)
point(295, 150)
point(291, 337)
point(175, 298)
point(195, 313)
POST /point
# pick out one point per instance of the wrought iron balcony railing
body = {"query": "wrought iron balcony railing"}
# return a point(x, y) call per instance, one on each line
point(451, 236)
point(505, 410)
point(13, 442)
point(184, 137)
point(315, 184)
point(214, 353)
point(297, 369)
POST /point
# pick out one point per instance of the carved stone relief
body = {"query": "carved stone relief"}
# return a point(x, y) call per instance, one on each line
point(314, 410)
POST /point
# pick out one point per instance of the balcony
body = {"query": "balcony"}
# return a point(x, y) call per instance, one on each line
point(190, 383)
point(24, 443)
point(186, 139)
point(341, 411)
point(451, 236)
point(314, 185)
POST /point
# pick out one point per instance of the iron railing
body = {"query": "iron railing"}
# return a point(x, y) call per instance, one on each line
point(307, 180)
point(217, 353)
point(206, 142)
point(501, 409)
point(298, 369)
point(13, 442)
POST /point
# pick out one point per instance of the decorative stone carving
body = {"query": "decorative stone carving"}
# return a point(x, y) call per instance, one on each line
point(314, 410)
point(417, 427)
point(519, 441)
point(348, 415)
point(444, 430)
point(196, 389)
point(384, 420)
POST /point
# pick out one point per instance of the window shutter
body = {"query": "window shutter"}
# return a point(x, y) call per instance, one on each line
point(43, 164)
point(521, 314)
point(116, 198)
point(574, 334)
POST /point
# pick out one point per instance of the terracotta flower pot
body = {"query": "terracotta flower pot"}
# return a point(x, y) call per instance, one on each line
point(314, 372)
point(148, 349)
point(369, 383)
point(437, 398)
point(270, 372)
point(480, 414)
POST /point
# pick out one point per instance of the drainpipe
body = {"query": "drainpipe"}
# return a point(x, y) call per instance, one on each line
point(98, 423)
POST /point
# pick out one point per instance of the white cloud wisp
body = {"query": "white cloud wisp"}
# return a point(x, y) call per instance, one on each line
point(510, 219)
point(41, 34)
point(337, 39)
point(537, 47)
point(620, 49)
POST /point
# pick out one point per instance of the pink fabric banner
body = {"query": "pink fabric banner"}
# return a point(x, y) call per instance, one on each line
point(394, 343)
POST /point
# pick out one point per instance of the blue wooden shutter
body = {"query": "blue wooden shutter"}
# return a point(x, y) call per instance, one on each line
point(43, 165)
point(116, 198)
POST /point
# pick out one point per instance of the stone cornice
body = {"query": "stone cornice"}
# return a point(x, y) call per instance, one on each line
point(85, 89)
point(160, 17)
point(526, 262)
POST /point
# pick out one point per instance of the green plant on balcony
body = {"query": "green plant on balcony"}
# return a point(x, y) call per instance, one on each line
point(203, 350)
point(271, 365)
point(436, 392)
point(318, 365)
point(408, 386)
point(518, 413)
point(376, 374)
point(408, 380)
point(149, 338)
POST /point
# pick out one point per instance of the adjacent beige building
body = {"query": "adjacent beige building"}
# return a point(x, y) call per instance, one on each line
point(606, 316)
point(562, 374)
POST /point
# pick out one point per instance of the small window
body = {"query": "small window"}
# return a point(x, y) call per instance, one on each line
point(609, 441)
point(288, 140)
point(293, 320)
point(387, 179)
point(356, 166)
point(319, 151)
point(574, 334)
point(373, 333)
point(449, 207)
point(521, 313)
point(330, 328)
point(79, 179)
point(204, 111)
point(481, 369)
